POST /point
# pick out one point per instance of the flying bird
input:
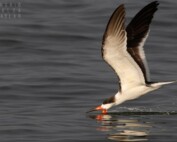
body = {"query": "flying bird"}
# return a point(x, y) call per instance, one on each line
point(122, 49)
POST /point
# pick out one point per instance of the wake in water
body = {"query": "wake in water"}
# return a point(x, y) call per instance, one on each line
point(131, 124)
point(142, 111)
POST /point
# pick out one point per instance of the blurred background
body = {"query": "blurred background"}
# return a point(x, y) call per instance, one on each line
point(52, 72)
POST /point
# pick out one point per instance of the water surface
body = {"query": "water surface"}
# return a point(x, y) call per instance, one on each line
point(52, 72)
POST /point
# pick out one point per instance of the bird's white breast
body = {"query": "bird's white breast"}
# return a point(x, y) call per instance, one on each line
point(132, 93)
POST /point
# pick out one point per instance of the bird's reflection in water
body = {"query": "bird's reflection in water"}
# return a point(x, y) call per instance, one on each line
point(123, 128)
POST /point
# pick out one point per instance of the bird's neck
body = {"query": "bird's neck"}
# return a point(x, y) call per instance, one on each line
point(119, 98)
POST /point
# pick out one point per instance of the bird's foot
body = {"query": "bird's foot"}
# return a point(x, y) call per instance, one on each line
point(104, 111)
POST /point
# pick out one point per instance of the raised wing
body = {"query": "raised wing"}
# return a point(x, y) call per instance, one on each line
point(115, 53)
point(137, 33)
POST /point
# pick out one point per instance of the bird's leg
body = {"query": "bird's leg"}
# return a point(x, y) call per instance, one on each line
point(104, 111)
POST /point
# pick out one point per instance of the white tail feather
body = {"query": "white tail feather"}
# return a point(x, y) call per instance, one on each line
point(159, 84)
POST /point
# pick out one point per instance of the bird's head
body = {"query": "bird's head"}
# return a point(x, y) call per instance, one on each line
point(107, 104)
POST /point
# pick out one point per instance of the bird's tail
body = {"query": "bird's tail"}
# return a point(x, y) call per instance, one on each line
point(160, 84)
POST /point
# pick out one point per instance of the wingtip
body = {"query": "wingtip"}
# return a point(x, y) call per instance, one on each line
point(115, 22)
point(155, 3)
point(121, 5)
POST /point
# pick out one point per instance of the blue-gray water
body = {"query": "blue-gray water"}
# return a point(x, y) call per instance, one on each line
point(52, 72)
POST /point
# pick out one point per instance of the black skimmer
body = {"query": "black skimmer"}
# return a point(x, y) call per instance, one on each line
point(122, 49)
